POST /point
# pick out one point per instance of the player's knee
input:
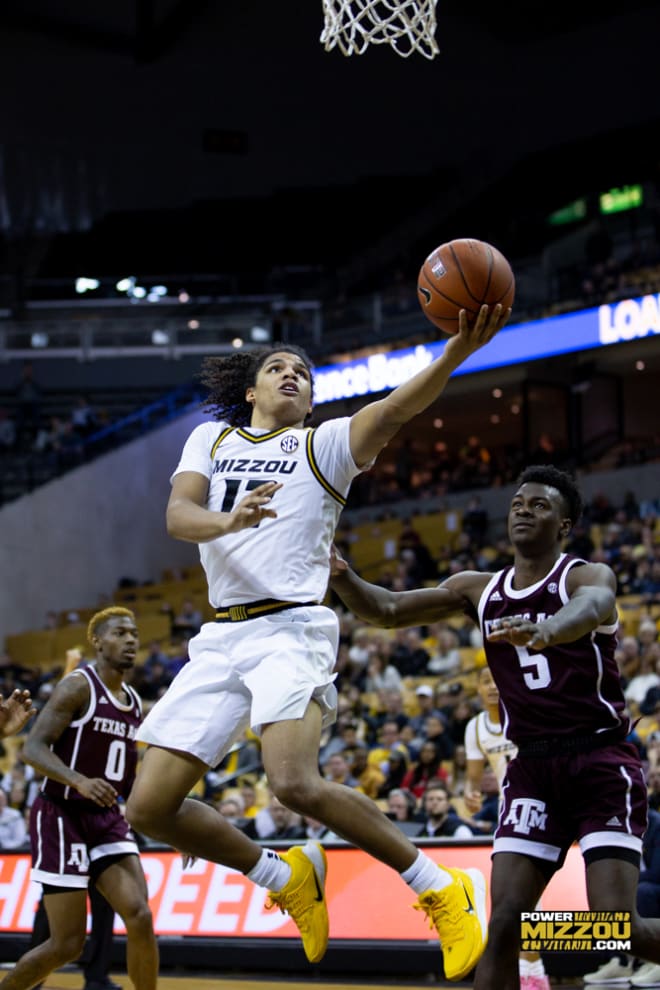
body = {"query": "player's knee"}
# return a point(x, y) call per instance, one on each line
point(138, 919)
point(140, 815)
point(300, 794)
point(68, 948)
point(504, 924)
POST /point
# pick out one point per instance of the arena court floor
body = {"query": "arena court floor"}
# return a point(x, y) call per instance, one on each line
point(73, 981)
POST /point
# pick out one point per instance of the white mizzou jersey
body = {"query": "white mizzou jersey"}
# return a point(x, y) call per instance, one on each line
point(485, 740)
point(285, 558)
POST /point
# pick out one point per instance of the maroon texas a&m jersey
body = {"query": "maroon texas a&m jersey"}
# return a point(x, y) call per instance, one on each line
point(572, 689)
point(101, 743)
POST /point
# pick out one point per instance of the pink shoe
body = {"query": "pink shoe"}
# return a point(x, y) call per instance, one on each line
point(534, 982)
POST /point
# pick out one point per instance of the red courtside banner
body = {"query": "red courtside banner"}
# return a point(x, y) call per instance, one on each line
point(366, 900)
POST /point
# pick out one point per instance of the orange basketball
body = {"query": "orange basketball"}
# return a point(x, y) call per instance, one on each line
point(463, 274)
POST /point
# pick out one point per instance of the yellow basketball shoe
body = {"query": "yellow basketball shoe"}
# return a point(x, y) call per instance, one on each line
point(458, 914)
point(303, 897)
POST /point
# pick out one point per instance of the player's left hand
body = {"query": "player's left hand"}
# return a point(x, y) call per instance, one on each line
point(519, 632)
point(15, 712)
point(472, 336)
point(337, 563)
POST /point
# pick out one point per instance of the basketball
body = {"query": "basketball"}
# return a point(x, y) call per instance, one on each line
point(463, 274)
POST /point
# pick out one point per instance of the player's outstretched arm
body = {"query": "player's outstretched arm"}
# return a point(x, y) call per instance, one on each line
point(391, 609)
point(376, 423)
point(592, 603)
point(15, 712)
point(68, 702)
point(189, 519)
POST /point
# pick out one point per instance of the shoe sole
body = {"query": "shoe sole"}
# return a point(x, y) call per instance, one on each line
point(479, 884)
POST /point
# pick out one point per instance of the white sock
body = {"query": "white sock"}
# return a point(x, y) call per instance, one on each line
point(528, 968)
point(270, 871)
point(425, 875)
point(536, 968)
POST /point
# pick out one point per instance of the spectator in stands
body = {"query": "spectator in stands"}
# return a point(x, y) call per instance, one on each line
point(155, 681)
point(642, 682)
point(381, 675)
point(436, 731)
point(456, 773)
point(440, 817)
point(461, 715)
point(396, 767)
point(401, 805)
point(358, 654)
point(178, 660)
point(188, 621)
point(445, 658)
point(338, 769)
point(627, 656)
point(428, 767)
point(647, 634)
point(316, 830)
point(653, 787)
point(285, 823)
point(231, 808)
point(425, 699)
point(368, 774)
point(155, 655)
point(83, 418)
point(13, 833)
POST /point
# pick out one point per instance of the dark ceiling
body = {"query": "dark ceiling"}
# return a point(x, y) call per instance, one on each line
point(176, 119)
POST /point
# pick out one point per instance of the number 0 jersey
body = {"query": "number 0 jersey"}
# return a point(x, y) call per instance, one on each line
point(572, 689)
point(101, 743)
point(285, 558)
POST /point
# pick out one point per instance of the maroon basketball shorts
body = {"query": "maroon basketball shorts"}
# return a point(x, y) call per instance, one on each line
point(67, 840)
point(597, 799)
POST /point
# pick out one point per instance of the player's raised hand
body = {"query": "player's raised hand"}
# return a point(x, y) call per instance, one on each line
point(472, 336)
point(15, 712)
point(253, 508)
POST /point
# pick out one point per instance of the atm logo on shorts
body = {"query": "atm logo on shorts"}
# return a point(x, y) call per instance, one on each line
point(78, 857)
point(526, 814)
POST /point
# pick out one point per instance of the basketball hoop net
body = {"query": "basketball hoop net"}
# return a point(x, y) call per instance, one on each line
point(407, 26)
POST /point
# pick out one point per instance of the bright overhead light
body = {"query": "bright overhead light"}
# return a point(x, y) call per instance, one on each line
point(124, 284)
point(39, 340)
point(260, 334)
point(160, 338)
point(86, 284)
point(138, 292)
point(237, 342)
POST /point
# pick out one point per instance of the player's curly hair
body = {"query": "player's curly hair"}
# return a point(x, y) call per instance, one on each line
point(98, 620)
point(229, 376)
point(547, 474)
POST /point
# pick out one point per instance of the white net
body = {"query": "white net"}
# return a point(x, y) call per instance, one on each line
point(407, 26)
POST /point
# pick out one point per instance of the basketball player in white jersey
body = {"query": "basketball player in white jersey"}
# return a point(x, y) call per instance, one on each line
point(261, 494)
point(485, 743)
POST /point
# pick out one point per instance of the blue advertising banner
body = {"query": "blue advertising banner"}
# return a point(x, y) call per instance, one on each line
point(601, 326)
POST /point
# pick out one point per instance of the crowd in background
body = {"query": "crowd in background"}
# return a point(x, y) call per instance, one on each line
point(405, 697)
